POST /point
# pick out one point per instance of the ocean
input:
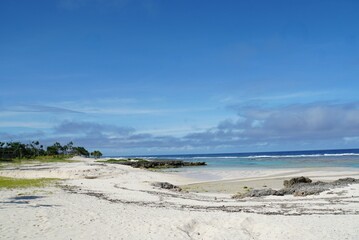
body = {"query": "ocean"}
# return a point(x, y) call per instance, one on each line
point(233, 165)
point(267, 160)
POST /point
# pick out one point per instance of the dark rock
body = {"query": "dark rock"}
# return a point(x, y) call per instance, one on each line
point(166, 185)
point(256, 193)
point(265, 192)
point(280, 192)
point(296, 180)
point(309, 191)
point(160, 164)
point(191, 164)
point(346, 180)
point(300, 186)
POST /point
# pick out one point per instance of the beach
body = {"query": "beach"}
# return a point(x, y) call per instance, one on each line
point(96, 200)
point(179, 120)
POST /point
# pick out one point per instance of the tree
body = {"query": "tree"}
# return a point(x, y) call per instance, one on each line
point(55, 149)
point(68, 148)
point(96, 154)
point(34, 149)
point(11, 150)
point(17, 149)
point(81, 151)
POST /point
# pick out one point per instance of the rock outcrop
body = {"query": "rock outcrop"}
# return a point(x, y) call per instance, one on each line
point(296, 180)
point(299, 186)
point(166, 185)
point(160, 163)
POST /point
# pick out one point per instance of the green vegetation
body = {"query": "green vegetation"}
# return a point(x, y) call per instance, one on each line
point(96, 154)
point(6, 182)
point(17, 152)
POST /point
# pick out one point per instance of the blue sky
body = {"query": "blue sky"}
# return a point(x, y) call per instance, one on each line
point(167, 77)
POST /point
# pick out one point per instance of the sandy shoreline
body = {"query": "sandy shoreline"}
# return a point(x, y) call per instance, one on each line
point(108, 201)
point(232, 181)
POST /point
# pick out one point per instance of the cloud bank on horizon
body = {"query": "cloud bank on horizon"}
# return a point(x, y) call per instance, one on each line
point(160, 77)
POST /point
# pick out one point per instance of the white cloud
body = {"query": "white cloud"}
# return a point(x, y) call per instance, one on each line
point(295, 125)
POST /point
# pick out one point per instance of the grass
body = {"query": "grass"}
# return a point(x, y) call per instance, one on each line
point(10, 183)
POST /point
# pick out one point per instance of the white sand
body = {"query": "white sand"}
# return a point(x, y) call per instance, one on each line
point(233, 181)
point(107, 201)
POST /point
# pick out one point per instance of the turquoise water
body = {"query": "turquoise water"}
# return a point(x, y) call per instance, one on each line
point(234, 165)
point(280, 162)
point(268, 160)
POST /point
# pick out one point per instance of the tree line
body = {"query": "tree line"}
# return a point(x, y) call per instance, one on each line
point(12, 150)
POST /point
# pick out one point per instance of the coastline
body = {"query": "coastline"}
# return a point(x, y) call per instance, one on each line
point(109, 201)
point(233, 181)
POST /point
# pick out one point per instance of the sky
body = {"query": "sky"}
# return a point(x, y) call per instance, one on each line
point(143, 77)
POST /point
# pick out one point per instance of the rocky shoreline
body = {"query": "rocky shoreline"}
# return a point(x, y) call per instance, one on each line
point(155, 164)
point(299, 186)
